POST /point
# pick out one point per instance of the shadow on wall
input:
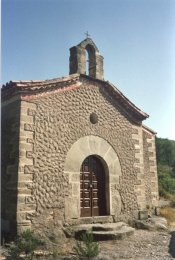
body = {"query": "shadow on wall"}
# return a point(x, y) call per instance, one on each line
point(10, 118)
point(172, 245)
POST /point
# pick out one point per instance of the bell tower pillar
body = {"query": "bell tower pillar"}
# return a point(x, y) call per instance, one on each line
point(78, 60)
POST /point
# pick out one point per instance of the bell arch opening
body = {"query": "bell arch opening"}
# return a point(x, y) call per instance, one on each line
point(78, 60)
point(90, 61)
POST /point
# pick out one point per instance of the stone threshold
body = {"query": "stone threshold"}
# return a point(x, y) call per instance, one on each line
point(91, 220)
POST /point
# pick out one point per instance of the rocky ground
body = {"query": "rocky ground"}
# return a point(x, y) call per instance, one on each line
point(148, 245)
point(143, 245)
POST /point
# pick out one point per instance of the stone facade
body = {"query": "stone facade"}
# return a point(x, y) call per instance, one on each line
point(49, 132)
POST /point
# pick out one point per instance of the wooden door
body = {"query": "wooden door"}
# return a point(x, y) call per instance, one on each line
point(92, 188)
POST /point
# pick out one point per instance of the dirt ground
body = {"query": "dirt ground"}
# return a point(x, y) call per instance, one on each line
point(143, 245)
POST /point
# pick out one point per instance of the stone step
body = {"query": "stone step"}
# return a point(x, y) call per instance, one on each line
point(107, 231)
point(113, 235)
point(108, 226)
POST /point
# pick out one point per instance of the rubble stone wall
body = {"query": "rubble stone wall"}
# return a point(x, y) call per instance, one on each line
point(58, 122)
point(39, 135)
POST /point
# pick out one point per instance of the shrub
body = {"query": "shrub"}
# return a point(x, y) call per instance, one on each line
point(168, 213)
point(26, 243)
point(87, 247)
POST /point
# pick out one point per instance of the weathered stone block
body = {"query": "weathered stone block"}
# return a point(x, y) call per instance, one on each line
point(72, 209)
point(29, 154)
point(26, 146)
point(23, 225)
point(137, 160)
point(30, 215)
point(26, 207)
point(21, 216)
point(27, 105)
point(143, 214)
point(21, 199)
point(75, 177)
point(135, 141)
point(25, 177)
point(157, 211)
point(24, 191)
point(25, 118)
point(135, 131)
point(30, 199)
point(152, 163)
point(29, 127)
point(75, 188)
point(31, 112)
point(28, 169)
point(138, 182)
point(114, 179)
point(31, 141)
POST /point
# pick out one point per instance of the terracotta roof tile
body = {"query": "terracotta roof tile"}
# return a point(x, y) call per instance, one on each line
point(33, 88)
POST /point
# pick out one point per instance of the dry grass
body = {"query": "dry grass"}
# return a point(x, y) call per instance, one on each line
point(168, 213)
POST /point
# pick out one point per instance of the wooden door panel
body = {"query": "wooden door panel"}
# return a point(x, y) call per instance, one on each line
point(92, 188)
point(87, 194)
point(95, 195)
point(95, 202)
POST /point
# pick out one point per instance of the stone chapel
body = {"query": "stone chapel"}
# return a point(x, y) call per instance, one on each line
point(74, 148)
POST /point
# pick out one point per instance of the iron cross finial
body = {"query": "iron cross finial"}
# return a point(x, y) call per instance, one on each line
point(87, 34)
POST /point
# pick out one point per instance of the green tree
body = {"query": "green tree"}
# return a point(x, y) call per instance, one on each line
point(166, 166)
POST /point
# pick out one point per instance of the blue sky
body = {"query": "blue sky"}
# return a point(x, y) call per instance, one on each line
point(136, 38)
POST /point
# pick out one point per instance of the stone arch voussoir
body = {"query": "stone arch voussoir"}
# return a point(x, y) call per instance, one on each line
point(82, 148)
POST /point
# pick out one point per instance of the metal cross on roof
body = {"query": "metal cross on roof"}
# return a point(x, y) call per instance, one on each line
point(87, 34)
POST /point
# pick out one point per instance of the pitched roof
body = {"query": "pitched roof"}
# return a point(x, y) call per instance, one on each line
point(33, 88)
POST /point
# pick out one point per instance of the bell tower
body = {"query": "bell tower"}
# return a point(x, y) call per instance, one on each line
point(92, 67)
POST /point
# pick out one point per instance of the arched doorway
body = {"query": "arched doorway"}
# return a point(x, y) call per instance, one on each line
point(98, 147)
point(92, 188)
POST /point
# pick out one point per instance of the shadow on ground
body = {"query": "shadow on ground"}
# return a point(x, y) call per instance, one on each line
point(172, 244)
